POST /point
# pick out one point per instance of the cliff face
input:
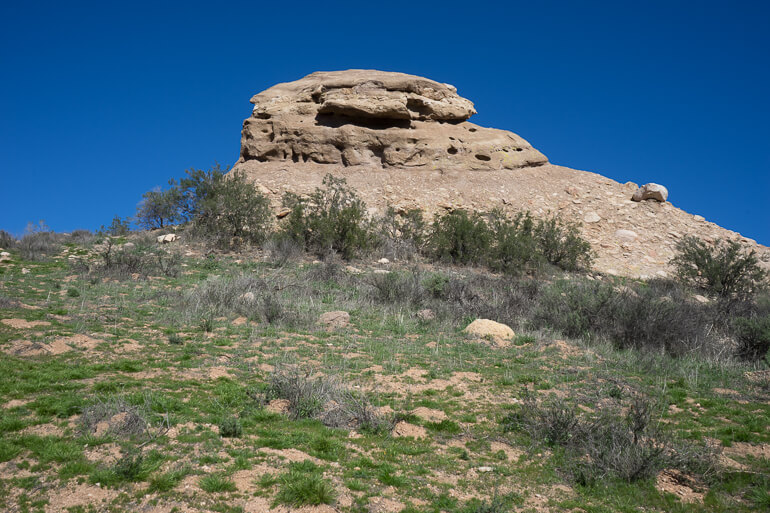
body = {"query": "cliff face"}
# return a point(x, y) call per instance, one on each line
point(379, 119)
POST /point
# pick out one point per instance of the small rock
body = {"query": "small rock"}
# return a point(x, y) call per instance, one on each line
point(165, 239)
point(485, 469)
point(353, 270)
point(626, 235)
point(484, 328)
point(381, 271)
point(24, 270)
point(699, 218)
point(651, 191)
point(334, 320)
point(128, 245)
point(383, 261)
point(283, 213)
point(592, 217)
point(701, 299)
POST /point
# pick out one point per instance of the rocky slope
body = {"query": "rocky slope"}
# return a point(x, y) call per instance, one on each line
point(404, 141)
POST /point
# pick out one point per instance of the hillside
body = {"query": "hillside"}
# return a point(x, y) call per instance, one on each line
point(357, 124)
point(215, 383)
point(277, 340)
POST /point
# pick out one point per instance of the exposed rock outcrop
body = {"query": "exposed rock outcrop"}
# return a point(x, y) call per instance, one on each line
point(376, 118)
point(366, 127)
point(651, 191)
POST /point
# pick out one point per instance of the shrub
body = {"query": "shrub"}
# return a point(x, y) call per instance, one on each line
point(231, 212)
point(159, 208)
point(125, 420)
point(333, 218)
point(753, 334)
point(243, 294)
point(460, 237)
point(117, 228)
point(398, 287)
point(229, 427)
point(561, 244)
point(657, 315)
point(125, 261)
point(724, 269)
point(7, 240)
point(129, 466)
point(39, 242)
point(402, 234)
point(282, 249)
point(608, 446)
point(514, 248)
point(323, 398)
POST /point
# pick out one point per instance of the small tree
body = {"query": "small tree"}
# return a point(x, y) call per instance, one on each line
point(724, 269)
point(117, 227)
point(159, 208)
point(227, 208)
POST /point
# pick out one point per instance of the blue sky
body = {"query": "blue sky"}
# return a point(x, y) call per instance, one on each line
point(102, 101)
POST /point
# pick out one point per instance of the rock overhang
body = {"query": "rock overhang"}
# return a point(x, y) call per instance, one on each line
point(379, 119)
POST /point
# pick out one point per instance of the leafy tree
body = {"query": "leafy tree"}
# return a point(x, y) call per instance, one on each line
point(226, 208)
point(159, 208)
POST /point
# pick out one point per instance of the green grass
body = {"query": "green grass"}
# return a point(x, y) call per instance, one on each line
point(303, 486)
point(216, 483)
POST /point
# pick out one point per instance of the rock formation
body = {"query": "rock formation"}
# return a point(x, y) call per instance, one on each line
point(376, 118)
point(403, 141)
point(651, 191)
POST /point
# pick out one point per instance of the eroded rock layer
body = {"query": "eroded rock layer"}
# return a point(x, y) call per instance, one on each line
point(376, 118)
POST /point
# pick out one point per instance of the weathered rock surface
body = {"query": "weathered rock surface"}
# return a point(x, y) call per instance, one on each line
point(376, 118)
point(447, 184)
point(652, 191)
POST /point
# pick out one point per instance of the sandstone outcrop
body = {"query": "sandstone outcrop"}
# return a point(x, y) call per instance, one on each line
point(651, 191)
point(289, 145)
point(376, 118)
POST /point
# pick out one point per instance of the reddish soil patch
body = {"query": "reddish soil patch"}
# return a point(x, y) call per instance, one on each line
point(24, 324)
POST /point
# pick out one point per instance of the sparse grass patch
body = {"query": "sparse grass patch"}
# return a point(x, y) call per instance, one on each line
point(216, 483)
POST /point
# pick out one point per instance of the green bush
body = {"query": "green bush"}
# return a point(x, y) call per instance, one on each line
point(724, 270)
point(230, 212)
point(331, 219)
point(514, 248)
point(753, 336)
point(561, 244)
point(460, 237)
point(657, 315)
